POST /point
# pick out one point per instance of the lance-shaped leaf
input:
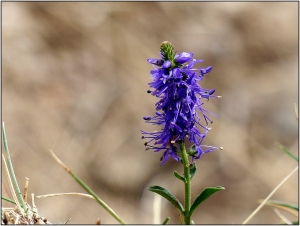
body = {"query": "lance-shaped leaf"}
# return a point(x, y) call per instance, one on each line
point(205, 194)
point(179, 176)
point(167, 195)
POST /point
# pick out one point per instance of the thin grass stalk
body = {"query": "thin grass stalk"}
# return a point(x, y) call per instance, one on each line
point(11, 171)
point(269, 196)
point(12, 190)
point(156, 209)
point(90, 191)
point(283, 218)
point(8, 200)
point(67, 193)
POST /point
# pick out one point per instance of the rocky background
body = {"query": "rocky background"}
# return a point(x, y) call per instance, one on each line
point(74, 80)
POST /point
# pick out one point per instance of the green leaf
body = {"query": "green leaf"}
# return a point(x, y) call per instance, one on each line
point(192, 170)
point(11, 171)
point(206, 193)
point(283, 204)
point(167, 195)
point(287, 151)
point(166, 221)
point(8, 200)
point(179, 176)
point(192, 150)
point(295, 222)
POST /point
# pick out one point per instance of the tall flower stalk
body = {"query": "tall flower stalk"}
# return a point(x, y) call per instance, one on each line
point(181, 114)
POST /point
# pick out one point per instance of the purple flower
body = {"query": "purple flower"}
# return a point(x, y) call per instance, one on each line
point(183, 57)
point(167, 64)
point(175, 83)
point(157, 62)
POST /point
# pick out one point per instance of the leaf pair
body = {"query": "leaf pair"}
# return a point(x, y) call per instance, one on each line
point(205, 194)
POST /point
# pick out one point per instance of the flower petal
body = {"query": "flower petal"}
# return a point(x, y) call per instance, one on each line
point(183, 57)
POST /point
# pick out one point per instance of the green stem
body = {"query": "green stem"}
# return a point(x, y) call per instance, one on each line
point(187, 184)
point(11, 170)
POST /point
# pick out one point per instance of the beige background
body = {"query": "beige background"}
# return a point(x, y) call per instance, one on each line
point(75, 79)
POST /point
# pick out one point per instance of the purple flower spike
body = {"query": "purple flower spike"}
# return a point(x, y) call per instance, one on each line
point(180, 108)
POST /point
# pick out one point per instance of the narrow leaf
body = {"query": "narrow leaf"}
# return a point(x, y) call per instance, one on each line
point(206, 193)
point(192, 170)
point(287, 151)
point(179, 176)
point(8, 200)
point(283, 204)
point(11, 171)
point(167, 195)
point(166, 221)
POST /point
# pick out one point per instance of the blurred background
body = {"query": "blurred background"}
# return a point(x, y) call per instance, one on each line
point(74, 79)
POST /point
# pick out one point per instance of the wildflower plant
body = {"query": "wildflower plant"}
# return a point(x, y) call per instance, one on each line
point(182, 117)
point(180, 111)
